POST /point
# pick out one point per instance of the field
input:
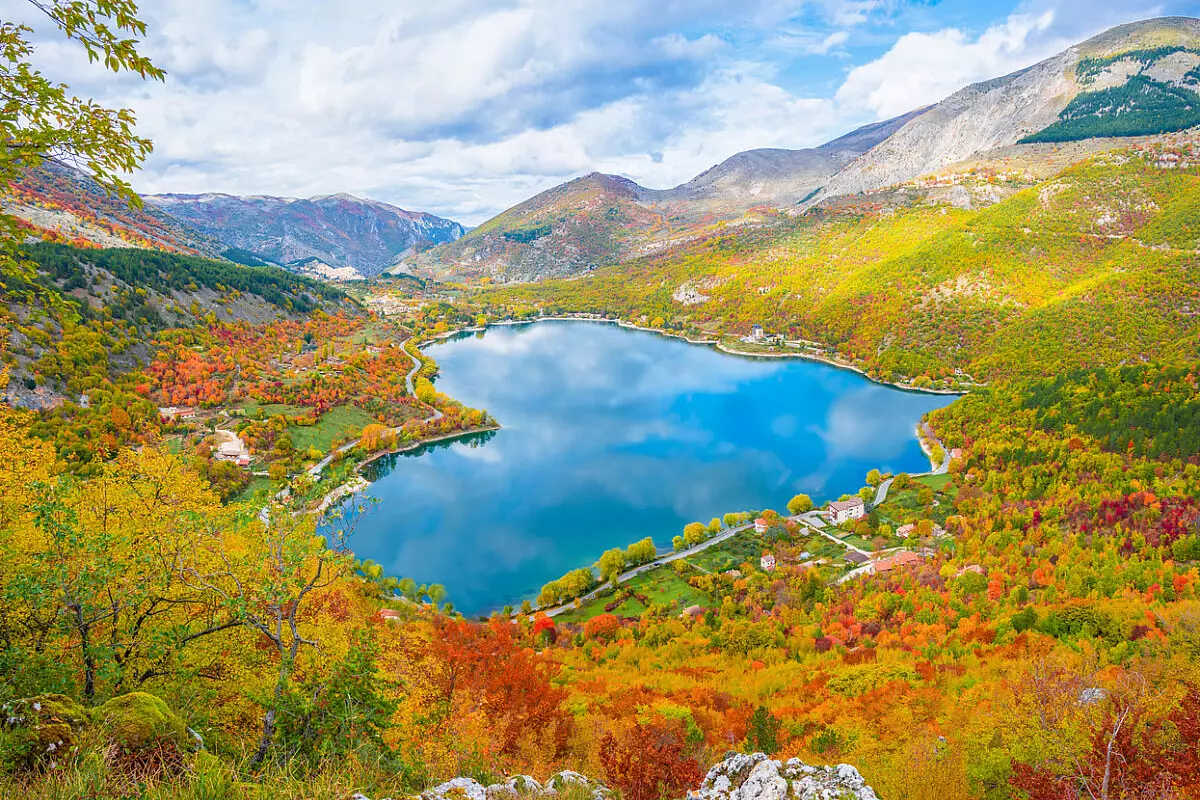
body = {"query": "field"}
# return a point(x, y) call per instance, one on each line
point(336, 424)
point(660, 586)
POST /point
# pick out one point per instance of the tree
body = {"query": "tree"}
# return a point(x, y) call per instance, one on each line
point(641, 552)
point(436, 593)
point(602, 626)
point(650, 762)
point(611, 564)
point(678, 543)
point(694, 533)
point(762, 732)
point(800, 504)
point(266, 587)
point(1094, 738)
point(874, 478)
point(714, 526)
point(42, 120)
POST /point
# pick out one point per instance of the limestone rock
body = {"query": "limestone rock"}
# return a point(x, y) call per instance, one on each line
point(140, 720)
point(41, 730)
point(518, 786)
point(758, 777)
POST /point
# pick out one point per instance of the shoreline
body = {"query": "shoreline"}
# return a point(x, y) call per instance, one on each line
point(421, 443)
point(716, 344)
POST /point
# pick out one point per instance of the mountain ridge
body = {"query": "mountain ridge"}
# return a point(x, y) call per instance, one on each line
point(341, 230)
point(559, 233)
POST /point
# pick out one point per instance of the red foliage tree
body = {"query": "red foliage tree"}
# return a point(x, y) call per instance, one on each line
point(649, 762)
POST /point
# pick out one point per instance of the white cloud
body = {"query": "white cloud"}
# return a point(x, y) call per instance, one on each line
point(923, 68)
point(465, 107)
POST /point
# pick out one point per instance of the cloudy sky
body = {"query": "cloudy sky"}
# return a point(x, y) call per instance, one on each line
point(464, 107)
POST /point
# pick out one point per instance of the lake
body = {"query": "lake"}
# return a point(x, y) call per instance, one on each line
point(611, 435)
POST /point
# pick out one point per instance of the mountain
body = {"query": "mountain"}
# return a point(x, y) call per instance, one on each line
point(782, 177)
point(338, 230)
point(59, 203)
point(1136, 80)
point(599, 219)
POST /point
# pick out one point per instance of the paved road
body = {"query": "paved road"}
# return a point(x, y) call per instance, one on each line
point(658, 562)
point(316, 470)
point(881, 493)
point(804, 519)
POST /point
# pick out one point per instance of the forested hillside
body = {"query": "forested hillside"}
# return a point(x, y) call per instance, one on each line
point(1094, 266)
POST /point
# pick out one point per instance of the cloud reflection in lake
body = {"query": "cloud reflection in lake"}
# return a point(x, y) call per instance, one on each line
point(612, 435)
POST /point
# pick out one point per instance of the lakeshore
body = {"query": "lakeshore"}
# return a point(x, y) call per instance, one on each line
point(612, 437)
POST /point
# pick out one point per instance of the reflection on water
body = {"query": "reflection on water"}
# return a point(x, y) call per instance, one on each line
point(612, 435)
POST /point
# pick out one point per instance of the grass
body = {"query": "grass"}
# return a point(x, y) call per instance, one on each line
point(256, 485)
point(338, 423)
point(731, 553)
point(253, 408)
point(859, 542)
point(660, 586)
point(935, 482)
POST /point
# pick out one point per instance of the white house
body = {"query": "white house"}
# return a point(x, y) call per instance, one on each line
point(767, 562)
point(761, 525)
point(842, 511)
point(756, 333)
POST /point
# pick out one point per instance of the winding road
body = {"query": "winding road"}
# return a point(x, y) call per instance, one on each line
point(315, 470)
point(655, 564)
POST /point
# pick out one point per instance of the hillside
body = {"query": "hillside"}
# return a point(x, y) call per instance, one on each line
point(603, 219)
point(61, 204)
point(1135, 81)
point(965, 270)
point(80, 316)
point(338, 230)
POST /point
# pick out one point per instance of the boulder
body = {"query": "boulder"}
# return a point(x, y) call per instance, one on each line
point(742, 776)
point(519, 786)
point(139, 720)
point(457, 789)
point(39, 731)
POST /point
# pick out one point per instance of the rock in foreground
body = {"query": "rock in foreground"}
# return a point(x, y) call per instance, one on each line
point(759, 777)
point(521, 786)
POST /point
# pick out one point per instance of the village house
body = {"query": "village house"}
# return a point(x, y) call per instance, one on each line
point(855, 557)
point(767, 562)
point(693, 612)
point(172, 413)
point(905, 531)
point(978, 570)
point(234, 450)
point(761, 525)
point(842, 511)
point(757, 333)
point(894, 562)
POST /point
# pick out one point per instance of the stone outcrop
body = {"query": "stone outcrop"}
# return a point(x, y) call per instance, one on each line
point(566, 784)
point(759, 777)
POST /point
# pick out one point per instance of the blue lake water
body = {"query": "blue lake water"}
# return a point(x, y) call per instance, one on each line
point(611, 435)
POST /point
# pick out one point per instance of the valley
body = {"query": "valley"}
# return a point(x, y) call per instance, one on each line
point(882, 454)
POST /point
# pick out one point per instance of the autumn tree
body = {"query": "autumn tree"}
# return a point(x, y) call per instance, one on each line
point(263, 579)
point(650, 762)
point(612, 564)
point(43, 120)
point(800, 504)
